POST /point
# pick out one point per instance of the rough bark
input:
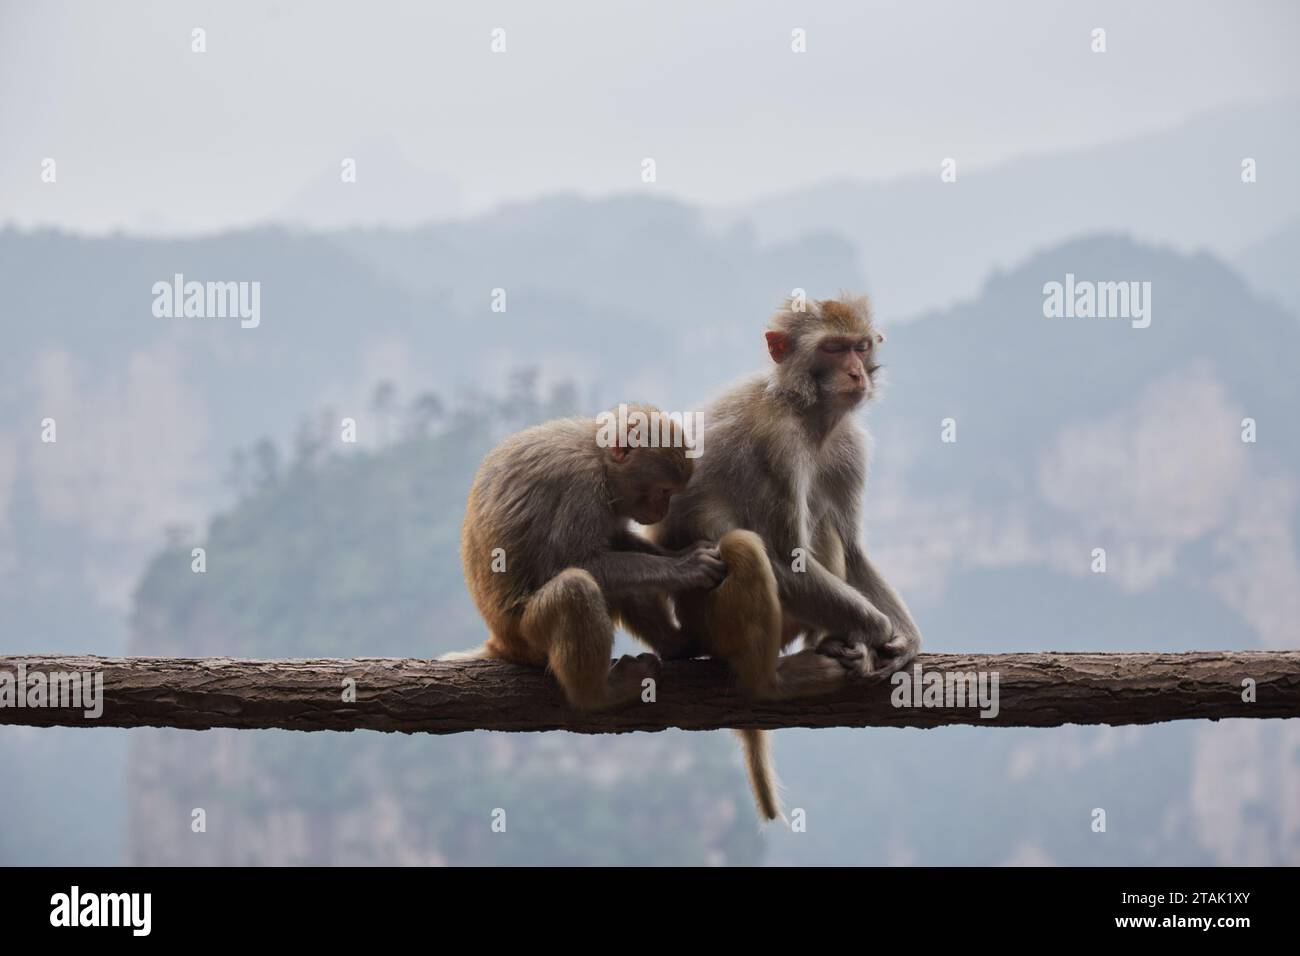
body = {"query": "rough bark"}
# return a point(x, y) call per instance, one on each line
point(410, 695)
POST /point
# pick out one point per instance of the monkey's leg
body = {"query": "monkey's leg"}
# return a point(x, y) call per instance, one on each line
point(568, 621)
point(740, 620)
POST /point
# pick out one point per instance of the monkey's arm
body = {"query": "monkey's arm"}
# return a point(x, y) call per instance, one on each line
point(862, 574)
point(821, 600)
point(648, 614)
point(895, 639)
point(620, 573)
point(813, 594)
point(858, 569)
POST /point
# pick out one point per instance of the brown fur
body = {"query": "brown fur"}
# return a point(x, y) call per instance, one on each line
point(557, 505)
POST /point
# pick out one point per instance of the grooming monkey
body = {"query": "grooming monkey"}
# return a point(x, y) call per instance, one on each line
point(550, 558)
point(781, 492)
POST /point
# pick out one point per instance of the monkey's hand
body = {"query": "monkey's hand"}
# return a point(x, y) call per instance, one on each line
point(700, 568)
point(878, 652)
point(896, 653)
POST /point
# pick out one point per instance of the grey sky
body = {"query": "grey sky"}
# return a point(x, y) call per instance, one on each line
point(145, 132)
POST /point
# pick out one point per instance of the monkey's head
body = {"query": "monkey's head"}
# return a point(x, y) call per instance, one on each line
point(645, 462)
point(826, 351)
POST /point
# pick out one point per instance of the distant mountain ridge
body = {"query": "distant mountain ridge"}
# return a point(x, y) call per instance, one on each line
point(924, 243)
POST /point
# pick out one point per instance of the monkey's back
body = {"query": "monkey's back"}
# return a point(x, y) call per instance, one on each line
point(714, 502)
point(536, 506)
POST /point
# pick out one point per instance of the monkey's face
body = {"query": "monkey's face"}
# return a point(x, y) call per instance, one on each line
point(844, 368)
point(829, 359)
point(642, 481)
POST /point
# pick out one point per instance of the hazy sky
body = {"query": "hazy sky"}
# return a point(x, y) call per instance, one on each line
point(147, 133)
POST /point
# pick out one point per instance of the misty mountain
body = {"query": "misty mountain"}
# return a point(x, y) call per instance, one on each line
point(924, 243)
point(638, 296)
point(1072, 434)
point(1271, 266)
point(373, 184)
point(1075, 433)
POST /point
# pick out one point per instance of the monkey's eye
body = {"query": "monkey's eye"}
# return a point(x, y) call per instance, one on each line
point(863, 347)
point(834, 347)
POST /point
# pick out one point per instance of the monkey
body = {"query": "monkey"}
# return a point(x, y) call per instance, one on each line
point(552, 562)
point(780, 490)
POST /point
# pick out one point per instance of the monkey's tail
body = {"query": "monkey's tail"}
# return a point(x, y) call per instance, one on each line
point(758, 761)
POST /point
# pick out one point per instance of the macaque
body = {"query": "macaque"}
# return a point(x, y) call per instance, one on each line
point(552, 562)
point(780, 490)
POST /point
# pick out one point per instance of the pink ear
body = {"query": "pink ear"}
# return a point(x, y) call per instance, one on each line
point(618, 453)
point(880, 338)
point(777, 345)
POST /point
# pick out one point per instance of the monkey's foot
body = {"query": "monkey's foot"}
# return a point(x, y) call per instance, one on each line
point(627, 677)
point(895, 654)
point(806, 674)
point(860, 659)
point(849, 652)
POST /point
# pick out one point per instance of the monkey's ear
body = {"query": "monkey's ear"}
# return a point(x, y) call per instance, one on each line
point(618, 453)
point(880, 338)
point(777, 344)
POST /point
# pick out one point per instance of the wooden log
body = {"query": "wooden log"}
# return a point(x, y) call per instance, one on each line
point(411, 695)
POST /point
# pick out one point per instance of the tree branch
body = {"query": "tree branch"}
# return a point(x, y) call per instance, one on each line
point(409, 695)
